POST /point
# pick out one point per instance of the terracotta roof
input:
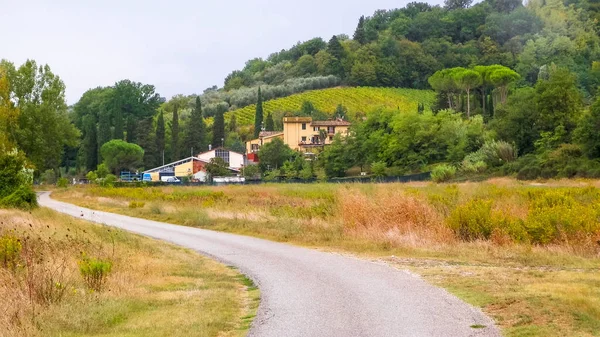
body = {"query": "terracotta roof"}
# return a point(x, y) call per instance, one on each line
point(331, 123)
point(268, 133)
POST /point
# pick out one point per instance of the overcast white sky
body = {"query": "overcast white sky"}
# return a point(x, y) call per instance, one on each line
point(180, 46)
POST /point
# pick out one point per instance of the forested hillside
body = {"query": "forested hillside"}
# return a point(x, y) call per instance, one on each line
point(515, 93)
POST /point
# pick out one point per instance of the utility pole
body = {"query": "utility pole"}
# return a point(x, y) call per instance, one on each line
point(163, 157)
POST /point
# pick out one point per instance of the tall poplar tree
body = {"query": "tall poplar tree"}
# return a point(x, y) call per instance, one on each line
point(258, 117)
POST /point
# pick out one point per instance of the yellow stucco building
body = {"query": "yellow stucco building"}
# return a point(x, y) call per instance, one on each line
point(301, 133)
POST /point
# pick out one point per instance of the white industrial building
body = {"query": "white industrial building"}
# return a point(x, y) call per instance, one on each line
point(234, 160)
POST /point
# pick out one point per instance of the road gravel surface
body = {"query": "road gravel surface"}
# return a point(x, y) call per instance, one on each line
point(308, 293)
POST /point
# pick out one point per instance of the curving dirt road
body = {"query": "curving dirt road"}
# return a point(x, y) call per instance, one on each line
point(309, 293)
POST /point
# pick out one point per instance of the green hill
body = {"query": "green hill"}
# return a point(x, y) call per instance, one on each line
point(356, 100)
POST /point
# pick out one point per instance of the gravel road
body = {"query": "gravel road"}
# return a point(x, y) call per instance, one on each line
point(309, 293)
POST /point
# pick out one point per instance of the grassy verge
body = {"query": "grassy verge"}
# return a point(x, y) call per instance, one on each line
point(151, 288)
point(528, 254)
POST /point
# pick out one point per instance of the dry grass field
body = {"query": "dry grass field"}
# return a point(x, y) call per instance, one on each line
point(528, 254)
point(150, 288)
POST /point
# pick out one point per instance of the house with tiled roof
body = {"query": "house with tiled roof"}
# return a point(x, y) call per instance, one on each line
point(301, 134)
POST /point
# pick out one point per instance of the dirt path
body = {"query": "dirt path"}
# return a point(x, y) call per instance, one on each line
point(310, 293)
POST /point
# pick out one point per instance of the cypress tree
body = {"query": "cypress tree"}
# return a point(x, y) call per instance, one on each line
point(160, 137)
point(118, 123)
point(175, 134)
point(269, 124)
point(130, 137)
point(258, 117)
point(195, 130)
point(334, 47)
point(232, 123)
point(359, 33)
point(103, 131)
point(90, 143)
point(218, 129)
point(146, 141)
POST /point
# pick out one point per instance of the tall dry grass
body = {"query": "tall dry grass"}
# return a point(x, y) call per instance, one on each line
point(392, 216)
point(45, 293)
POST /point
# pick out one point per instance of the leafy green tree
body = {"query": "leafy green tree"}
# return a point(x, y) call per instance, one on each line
point(160, 137)
point(272, 155)
point(195, 133)
point(15, 182)
point(217, 167)
point(558, 101)
point(234, 143)
point(588, 131)
point(501, 78)
point(306, 65)
point(119, 155)
point(270, 124)
point(378, 169)
point(251, 172)
point(44, 128)
point(335, 158)
point(468, 80)
point(444, 81)
point(515, 121)
point(132, 101)
point(102, 171)
point(9, 113)
point(218, 129)
point(307, 108)
point(341, 112)
point(457, 4)
point(258, 116)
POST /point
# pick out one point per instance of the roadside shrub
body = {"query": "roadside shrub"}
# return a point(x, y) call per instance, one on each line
point(476, 220)
point(22, 198)
point(109, 180)
point(91, 176)
point(95, 272)
point(272, 176)
point(10, 250)
point(443, 173)
point(102, 171)
point(472, 220)
point(378, 169)
point(136, 204)
point(469, 166)
point(49, 177)
point(529, 173)
point(563, 216)
point(62, 182)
